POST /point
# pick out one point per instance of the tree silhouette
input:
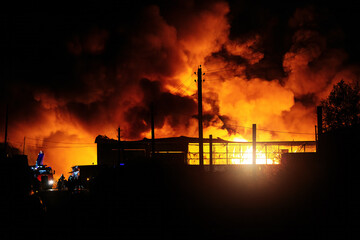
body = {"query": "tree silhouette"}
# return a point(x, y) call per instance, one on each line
point(342, 107)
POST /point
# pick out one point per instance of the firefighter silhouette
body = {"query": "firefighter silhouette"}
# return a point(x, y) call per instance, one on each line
point(40, 159)
point(61, 182)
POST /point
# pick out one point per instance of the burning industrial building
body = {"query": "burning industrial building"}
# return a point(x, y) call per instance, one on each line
point(73, 74)
point(185, 151)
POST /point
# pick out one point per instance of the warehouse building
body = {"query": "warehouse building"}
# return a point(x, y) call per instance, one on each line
point(185, 151)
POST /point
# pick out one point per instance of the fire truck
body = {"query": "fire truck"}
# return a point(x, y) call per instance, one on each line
point(42, 173)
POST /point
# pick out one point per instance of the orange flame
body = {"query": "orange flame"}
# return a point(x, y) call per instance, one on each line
point(166, 52)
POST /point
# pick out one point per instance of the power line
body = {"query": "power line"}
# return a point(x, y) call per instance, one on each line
point(13, 143)
point(180, 86)
point(285, 132)
point(47, 147)
point(240, 126)
point(49, 141)
point(219, 70)
point(267, 130)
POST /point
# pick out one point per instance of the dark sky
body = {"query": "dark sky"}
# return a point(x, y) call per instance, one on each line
point(35, 34)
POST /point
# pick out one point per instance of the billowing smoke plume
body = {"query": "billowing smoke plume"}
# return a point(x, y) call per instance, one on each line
point(174, 110)
point(100, 68)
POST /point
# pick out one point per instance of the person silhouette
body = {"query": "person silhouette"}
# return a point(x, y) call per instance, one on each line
point(40, 159)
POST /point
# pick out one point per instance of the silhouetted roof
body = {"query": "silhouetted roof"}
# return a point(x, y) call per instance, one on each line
point(184, 139)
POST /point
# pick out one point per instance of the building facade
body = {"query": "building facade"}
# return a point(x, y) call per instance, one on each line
point(185, 151)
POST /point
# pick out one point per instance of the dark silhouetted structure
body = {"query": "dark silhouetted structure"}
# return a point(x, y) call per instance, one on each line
point(184, 151)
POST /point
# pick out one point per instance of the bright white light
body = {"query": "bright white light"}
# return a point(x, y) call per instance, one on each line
point(51, 182)
point(238, 139)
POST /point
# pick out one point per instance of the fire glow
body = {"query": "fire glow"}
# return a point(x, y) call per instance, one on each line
point(111, 85)
point(247, 157)
point(241, 153)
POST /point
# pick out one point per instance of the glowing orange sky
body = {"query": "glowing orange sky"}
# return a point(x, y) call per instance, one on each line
point(166, 53)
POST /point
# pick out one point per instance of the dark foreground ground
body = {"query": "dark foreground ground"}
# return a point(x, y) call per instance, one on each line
point(163, 202)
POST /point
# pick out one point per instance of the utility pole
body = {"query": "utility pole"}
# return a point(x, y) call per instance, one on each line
point(211, 153)
point(6, 128)
point(119, 136)
point(152, 130)
point(319, 127)
point(316, 139)
point(119, 146)
point(254, 143)
point(319, 121)
point(201, 139)
point(24, 146)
